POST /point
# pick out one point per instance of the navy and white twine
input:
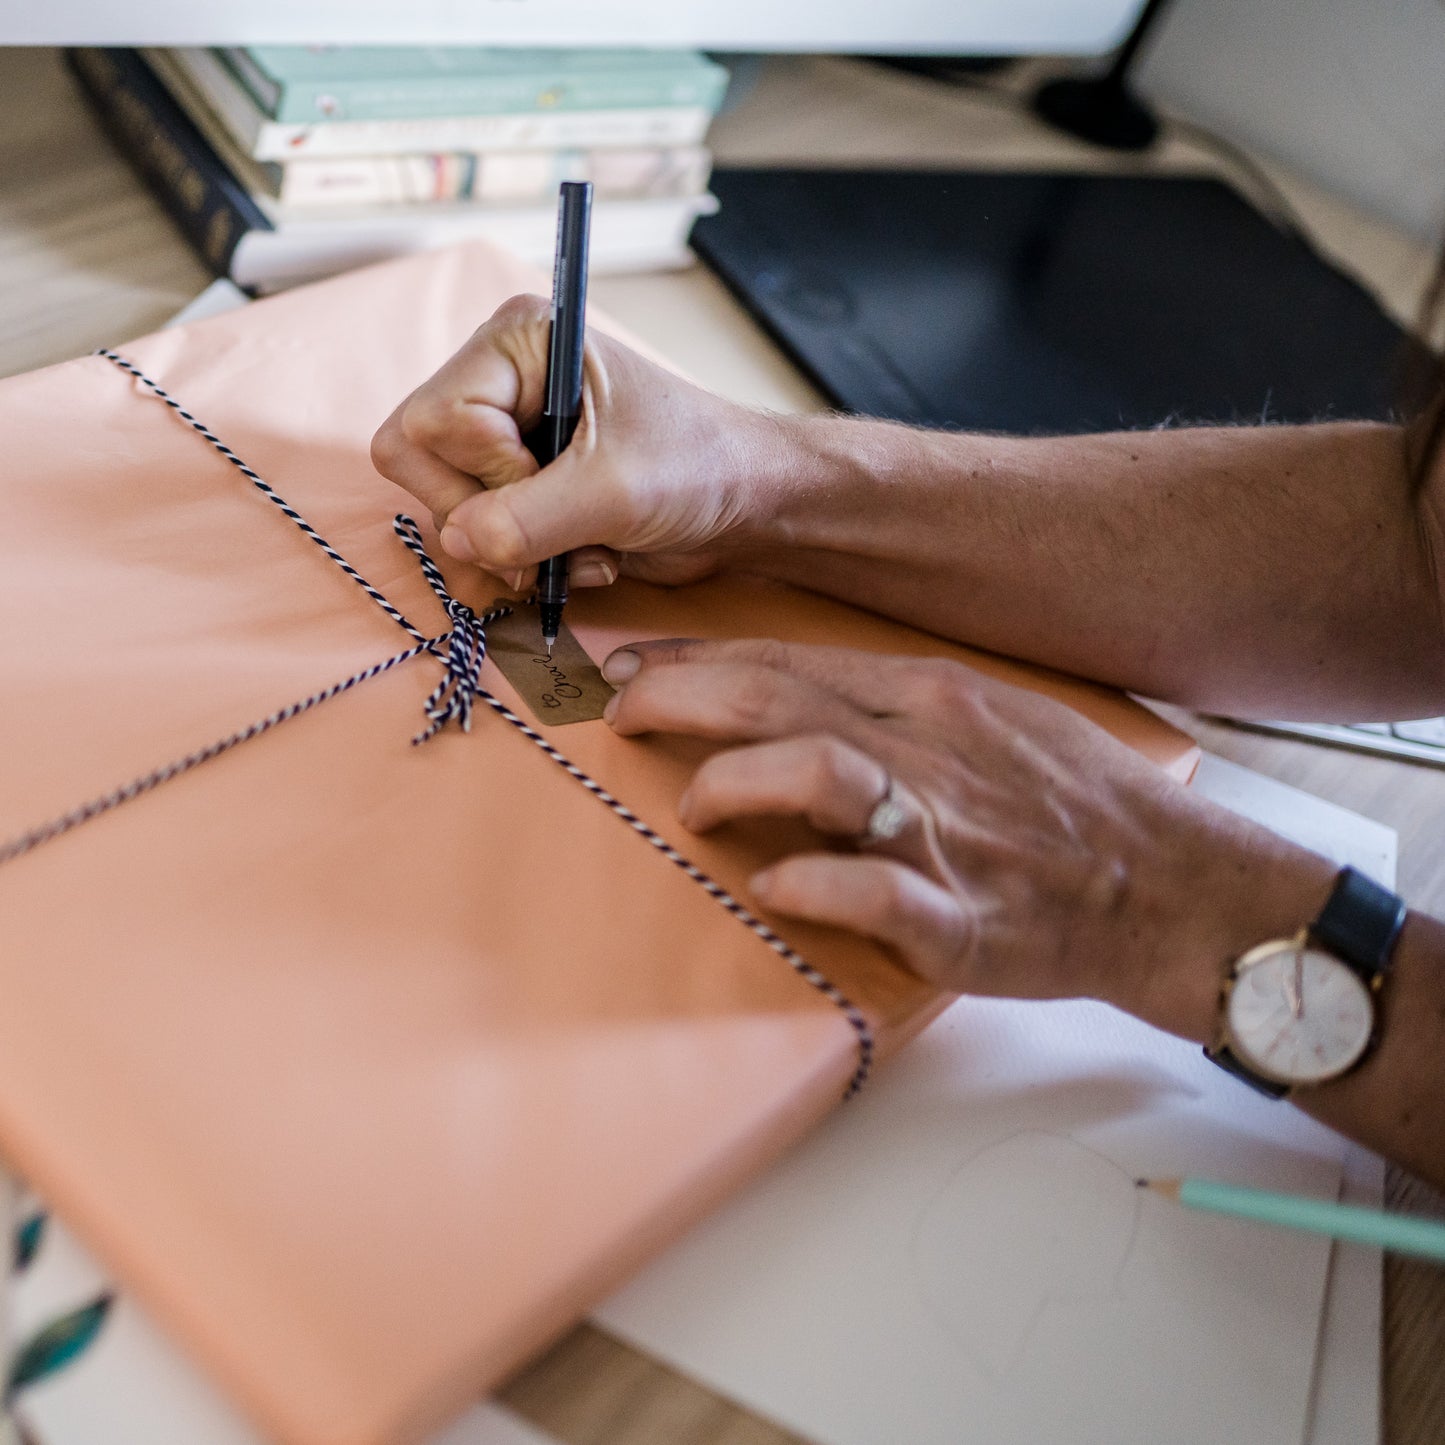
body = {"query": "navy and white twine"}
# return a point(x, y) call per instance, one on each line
point(461, 652)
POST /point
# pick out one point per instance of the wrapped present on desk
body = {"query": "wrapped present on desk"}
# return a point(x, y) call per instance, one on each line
point(368, 1066)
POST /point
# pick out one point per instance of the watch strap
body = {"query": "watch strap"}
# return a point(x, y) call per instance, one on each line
point(1360, 923)
point(1224, 1057)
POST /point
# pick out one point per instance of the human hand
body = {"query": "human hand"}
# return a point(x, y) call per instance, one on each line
point(1038, 856)
point(660, 479)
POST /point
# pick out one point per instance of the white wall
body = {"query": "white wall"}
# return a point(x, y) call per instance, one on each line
point(1350, 93)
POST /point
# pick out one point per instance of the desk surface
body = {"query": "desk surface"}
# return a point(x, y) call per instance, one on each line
point(86, 258)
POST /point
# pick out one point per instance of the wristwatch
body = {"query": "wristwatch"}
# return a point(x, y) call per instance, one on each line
point(1302, 1010)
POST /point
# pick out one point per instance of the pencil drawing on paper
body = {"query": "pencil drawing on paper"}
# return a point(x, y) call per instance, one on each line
point(992, 1247)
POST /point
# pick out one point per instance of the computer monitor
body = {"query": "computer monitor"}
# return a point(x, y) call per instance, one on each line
point(937, 27)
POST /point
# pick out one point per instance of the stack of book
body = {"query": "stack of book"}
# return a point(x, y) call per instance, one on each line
point(283, 163)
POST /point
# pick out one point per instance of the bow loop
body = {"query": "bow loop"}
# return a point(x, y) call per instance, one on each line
point(461, 652)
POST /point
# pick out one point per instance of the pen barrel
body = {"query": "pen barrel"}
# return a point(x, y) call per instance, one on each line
point(1424, 1238)
point(546, 444)
point(552, 583)
point(551, 437)
point(569, 300)
point(562, 398)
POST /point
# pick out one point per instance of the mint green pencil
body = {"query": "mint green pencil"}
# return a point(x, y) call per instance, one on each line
point(1399, 1233)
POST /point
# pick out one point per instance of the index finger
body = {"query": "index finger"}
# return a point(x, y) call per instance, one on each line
point(881, 684)
point(733, 702)
point(461, 430)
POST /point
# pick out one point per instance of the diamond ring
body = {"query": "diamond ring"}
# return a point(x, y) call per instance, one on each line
point(886, 820)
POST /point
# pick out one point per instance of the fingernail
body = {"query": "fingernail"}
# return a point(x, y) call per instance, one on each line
point(621, 666)
point(761, 885)
point(515, 580)
point(610, 711)
point(594, 574)
point(456, 543)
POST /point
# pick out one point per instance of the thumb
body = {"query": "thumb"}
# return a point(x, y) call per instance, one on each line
point(558, 509)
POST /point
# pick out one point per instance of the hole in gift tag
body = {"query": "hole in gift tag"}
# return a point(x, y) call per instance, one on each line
point(565, 688)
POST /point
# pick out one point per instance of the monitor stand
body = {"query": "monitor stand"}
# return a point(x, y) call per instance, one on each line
point(1044, 302)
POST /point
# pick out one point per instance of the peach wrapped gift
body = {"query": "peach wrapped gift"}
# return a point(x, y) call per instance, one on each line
point(366, 1066)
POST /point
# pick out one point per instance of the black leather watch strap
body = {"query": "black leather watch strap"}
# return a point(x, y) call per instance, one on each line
point(1360, 924)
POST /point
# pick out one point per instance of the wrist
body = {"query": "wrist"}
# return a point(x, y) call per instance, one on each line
point(1217, 887)
point(784, 478)
point(822, 483)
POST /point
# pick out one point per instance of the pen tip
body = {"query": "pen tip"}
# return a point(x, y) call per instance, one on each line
point(551, 643)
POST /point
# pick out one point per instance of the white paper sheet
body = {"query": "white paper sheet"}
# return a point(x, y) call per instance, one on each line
point(960, 1253)
point(1337, 833)
point(1346, 1404)
point(963, 1248)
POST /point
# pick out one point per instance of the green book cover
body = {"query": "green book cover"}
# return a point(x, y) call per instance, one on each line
point(298, 84)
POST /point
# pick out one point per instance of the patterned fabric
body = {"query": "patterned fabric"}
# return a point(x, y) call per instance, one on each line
point(48, 1349)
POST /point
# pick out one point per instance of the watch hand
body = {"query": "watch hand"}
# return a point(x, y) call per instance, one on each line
point(1290, 987)
point(1298, 1003)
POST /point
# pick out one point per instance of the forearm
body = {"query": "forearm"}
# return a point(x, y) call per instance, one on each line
point(1393, 1101)
point(1262, 570)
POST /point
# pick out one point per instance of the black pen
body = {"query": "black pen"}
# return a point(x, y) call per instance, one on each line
point(562, 403)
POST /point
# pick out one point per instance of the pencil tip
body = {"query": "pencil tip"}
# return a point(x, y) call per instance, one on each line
point(1168, 1188)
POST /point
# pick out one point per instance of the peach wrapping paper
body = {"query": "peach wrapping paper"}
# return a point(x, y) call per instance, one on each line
point(366, 1067)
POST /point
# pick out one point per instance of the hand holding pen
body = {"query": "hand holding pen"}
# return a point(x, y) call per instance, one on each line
point(652, 495)
point(562, 404)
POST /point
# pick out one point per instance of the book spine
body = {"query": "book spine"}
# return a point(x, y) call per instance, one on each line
point(155, 135)
point(692, 82)
point(664, 126)
point(499, 178)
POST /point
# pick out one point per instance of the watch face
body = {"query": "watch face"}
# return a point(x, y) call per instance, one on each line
point(1298, 1015)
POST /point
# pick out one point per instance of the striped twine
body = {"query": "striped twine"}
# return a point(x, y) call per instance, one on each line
point(26, 842)
point(714, 890)
point(461, 653)
point(268, 492)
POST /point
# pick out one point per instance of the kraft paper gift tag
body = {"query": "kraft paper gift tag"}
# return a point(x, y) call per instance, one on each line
point(369, 1066)
point(565, 687)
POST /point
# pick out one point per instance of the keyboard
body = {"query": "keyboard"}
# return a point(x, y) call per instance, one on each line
point(1422, 741)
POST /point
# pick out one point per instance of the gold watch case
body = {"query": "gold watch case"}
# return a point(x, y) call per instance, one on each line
point(1296, 1014)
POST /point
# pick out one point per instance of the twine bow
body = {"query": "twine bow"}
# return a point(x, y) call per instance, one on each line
point(461, 653)
point(466, 645)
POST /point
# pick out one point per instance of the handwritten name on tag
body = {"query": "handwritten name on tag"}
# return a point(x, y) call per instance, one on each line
point(566, 688)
